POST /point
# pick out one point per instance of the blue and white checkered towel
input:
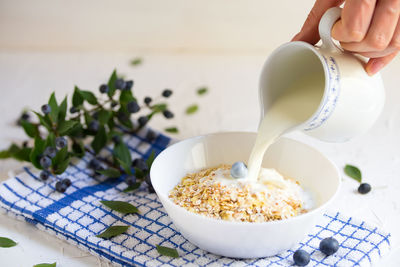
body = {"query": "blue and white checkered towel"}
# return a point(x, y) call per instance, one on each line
point(77, 216)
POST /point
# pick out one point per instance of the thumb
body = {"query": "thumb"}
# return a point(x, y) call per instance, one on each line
point(309, 32)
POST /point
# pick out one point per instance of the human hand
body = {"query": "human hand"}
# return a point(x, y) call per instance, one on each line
point(370, 28)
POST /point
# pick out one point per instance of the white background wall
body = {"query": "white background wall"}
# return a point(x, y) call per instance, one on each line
point(217, 26)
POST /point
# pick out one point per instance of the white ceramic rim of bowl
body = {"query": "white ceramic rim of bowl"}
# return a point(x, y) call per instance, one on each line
point(314, 210)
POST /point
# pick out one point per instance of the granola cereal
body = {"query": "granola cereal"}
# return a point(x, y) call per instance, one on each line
point(212, 192)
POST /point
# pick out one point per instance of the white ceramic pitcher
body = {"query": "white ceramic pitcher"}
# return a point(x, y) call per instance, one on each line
point(352, 100)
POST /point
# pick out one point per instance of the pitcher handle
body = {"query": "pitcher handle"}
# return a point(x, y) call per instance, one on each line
point(325, 27)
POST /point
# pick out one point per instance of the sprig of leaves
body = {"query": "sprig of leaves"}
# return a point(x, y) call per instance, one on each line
point(87, 125)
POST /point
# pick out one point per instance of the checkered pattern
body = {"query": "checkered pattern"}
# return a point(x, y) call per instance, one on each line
point(77, 216)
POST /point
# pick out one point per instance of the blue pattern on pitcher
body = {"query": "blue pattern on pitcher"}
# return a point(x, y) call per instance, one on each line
point(330, 101)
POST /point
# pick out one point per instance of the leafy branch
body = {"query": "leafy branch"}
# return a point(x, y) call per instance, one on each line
point(59, 133)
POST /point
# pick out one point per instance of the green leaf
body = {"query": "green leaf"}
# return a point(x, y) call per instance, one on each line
point(65, 127)
point(23, 154)
point(6, 242)
point(122, 153)
point(125, 166)
point(113, 231)
point(51, 140)
point(169, 252)
point(132, 188)
point(89, 97)
point(88, 118)
point(30, 129)
point(159, 107)
point(100, 140)
point(126, 97)
point(37, 150)
point(77, 98)
point(8, 153)
point(111, 83)
point(136, 61)
point(139, 173)
point(353, 172)
point(54, 108)
point(46, 265)
point(45, 121)
point(61, 161)
point(202, 90)
point(62, 166)
point(150, 159)
point(120, 206)
point(171, 130)
point(104, 116)
point(78, 148)
point(110, 173)
point(16, 152)
point(192, 109)
point(62, 110)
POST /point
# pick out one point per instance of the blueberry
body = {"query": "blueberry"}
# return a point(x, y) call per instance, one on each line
point(128, 85)
point(151, 135)
point(94, 125)
point(364, 188)
point(103, 88)
point(143, 120)
point(239, 170)
point(301, 257)
point(167, 93)
point(50, 152)
point(116, 139)
point(140, 164)
point(45, 162)
point(130, 180)
point(329, 246)
point(73, 110)
point(94, 164)
point(44, 175)
point(61, 142)
point(149, 184)
point(95, 115)
point(46, 109)
point(61, 187)
point(132, 107)
point(147, 100)
point(119, 84)
point(122, 116)
point(25, 116)
point(66, 181)
point(168, 114)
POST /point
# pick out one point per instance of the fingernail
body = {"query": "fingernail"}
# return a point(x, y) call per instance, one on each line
point(374, 67)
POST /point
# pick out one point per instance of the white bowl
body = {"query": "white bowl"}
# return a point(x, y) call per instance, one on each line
point(244, 239)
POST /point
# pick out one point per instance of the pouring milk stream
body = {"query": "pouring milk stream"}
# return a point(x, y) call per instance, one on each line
point(320, 90)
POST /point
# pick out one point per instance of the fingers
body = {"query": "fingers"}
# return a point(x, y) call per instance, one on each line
point(309, 31)
point(381, 31)
point(355, 20)
point(392, 47)
point(376, 64)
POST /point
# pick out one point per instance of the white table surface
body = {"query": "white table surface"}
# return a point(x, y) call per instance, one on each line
point(27, 78)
